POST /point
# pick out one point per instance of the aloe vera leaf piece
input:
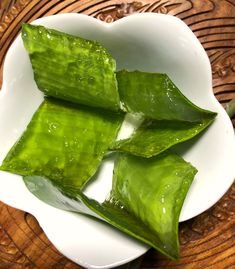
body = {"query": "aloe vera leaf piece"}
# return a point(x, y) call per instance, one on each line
point(156, 96)
point(145, 203)
point(63, 142)
point(71, 68)
point(154, 137)
point(154, 191)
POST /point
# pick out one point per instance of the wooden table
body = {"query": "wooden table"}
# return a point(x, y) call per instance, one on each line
point(207, 241)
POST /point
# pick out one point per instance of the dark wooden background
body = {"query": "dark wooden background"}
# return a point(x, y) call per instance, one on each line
point(207, 241)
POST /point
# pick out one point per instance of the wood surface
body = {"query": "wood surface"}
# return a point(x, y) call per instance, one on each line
point(207, 241)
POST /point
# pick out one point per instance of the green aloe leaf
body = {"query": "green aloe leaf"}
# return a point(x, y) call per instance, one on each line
point(154, 137)
point(63, 142)
point(145, 202)
point(170, 117)
point(156, 96)
point(154, 190)
point(71, 68)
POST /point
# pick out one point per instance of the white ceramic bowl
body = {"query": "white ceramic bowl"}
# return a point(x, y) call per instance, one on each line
point(147, 42)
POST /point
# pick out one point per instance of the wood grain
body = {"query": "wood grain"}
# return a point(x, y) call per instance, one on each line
point(207, 241)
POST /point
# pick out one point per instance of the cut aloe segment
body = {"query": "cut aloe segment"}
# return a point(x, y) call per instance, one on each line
point(156, 96)
point(153, 190)
point(146, 199)
point(71, 68)
point(63, 142)
point(170, 117)
point(154, 137)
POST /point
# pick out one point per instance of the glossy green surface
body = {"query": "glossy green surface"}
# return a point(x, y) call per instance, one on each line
point(153, 190)
point(154, 137)
point(145, 203)
point(63, 142)
point(170, 117)
point(71, 68)
point(156, 96)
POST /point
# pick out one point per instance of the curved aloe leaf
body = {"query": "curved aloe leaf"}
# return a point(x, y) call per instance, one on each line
point(171, 117)
point(154, 137)
point(153, 190)
point(145, 202)
point(71, 68)
point(63, 142)
point(156, 96)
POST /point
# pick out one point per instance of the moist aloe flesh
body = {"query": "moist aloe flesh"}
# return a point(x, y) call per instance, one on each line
point(157, 97)
point(145, 203)
point(170, 118)
point(71, 68)
point(63, 142)
point(155, 136)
